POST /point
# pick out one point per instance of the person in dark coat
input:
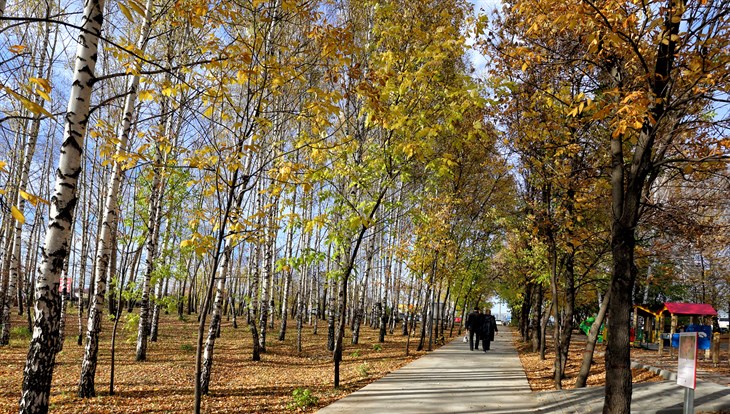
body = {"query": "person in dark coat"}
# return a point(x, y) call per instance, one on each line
point(489, 328)
point(472, 325)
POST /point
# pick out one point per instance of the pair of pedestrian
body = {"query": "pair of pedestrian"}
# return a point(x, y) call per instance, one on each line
point(481, 327)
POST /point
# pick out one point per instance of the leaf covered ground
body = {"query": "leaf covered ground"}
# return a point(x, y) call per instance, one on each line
point(164, 383)
point(540, 372)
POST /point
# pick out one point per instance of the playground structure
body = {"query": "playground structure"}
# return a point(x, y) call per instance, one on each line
point(585, 327)
point(649, 324)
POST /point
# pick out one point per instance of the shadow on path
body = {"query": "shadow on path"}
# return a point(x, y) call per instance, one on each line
point(453, 379)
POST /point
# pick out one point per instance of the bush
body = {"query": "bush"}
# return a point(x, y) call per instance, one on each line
point(187, 348)
point(131, 325)
point(364, 370)
point(20, 332)
point(355, 354)
point(302, 399)
point(377, 347)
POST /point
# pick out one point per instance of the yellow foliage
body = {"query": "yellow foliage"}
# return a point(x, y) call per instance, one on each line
point(17, 215)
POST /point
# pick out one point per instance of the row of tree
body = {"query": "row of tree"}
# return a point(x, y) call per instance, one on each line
point(617, 114)
point(285, 159)
point(266, 160)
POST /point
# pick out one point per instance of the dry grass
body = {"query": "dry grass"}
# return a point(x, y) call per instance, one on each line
point(164, 383)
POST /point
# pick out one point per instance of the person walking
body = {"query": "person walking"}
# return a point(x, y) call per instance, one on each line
point(489, 328)
point(472, 325)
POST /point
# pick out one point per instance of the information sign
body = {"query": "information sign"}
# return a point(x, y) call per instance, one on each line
point(687, 363)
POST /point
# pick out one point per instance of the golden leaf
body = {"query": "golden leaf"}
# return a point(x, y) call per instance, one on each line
point(126, 12)
point(17, 214)
point(137, 7)
point(43, 95)
point(146, 95)
point(27, 103)
point(43, 83)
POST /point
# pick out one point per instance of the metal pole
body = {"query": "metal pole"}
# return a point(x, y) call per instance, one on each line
point(689, 401)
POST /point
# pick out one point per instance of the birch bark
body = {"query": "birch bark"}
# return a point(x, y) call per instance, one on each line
point(41, 358)
point(108, 227)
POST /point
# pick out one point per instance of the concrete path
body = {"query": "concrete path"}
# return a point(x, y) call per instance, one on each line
point(665, 397)
point(453, 379)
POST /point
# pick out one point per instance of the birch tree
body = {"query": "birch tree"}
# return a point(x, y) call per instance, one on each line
point(109, 222)
point(42, 350)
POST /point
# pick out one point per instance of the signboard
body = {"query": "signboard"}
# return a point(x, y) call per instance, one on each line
point(687, 362)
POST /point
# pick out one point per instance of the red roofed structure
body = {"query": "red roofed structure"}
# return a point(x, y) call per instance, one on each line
point(697, 309)
point(650, 326)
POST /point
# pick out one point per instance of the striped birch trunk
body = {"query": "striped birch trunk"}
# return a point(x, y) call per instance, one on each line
point(215, 321)
point(266, 293)
point(152, 239)
point(64, 300)
point(154, 323)
point(41, 358)
point(108, 227)
point(14, 269)
point(288, 279)
point(82, 267)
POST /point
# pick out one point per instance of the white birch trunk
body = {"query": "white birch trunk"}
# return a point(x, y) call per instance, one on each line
point(42, 350)
point(84, 255)
point(108, 227)
point(215, 321)
point(288, 279)
point(154, 324)
point(152, 239)
point(24, 173)
point(266, 278)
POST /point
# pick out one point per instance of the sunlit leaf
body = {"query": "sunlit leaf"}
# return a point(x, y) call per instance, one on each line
point(43, 83)
point(17, 215)
point(126, 12)
point(146, 95)
point(137, 7)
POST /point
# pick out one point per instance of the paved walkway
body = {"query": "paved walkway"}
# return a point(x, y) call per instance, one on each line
point(453, 379)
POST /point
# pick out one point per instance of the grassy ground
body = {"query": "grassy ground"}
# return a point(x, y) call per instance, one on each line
point(164, 383)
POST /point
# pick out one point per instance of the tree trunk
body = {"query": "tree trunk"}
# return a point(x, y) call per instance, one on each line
point(42, 350)
point(360, 310)
point(117, 317)
point(143, 329)
point(543, 330)
point(215, 321)
point(537, 320)
point(24, 173)
point(64, 304)
point(585, 367)
point(524, 322)
point(289, 273)
point(84, 255)
point(156, 311)
point(268, 273)
point(108, 228)
point(331, 317)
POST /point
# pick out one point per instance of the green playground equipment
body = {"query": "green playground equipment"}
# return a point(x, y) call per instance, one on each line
point(585, 326)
